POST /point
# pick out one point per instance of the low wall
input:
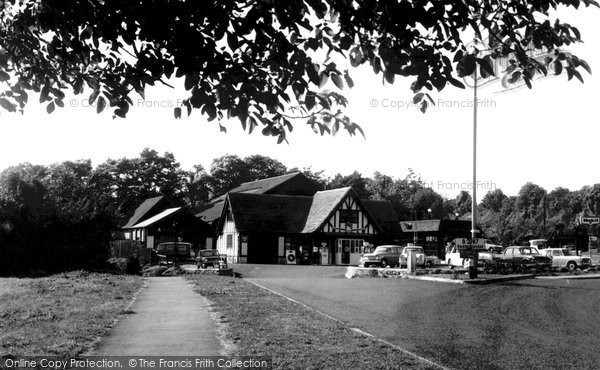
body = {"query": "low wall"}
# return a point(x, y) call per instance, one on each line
point(358, 272)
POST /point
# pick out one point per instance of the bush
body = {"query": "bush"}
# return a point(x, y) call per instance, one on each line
point(118, 265)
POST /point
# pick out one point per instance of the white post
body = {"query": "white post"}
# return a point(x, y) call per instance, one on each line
point(473, 269)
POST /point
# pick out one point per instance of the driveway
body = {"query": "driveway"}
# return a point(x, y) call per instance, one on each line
point(518, 325)
point(167, 319)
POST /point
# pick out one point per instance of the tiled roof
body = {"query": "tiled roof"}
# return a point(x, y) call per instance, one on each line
point(384, 215)
point(269, 213)
point(211, 212)
point(142, 210)
point(156, 218)
point(259, 186)
point(323, 204)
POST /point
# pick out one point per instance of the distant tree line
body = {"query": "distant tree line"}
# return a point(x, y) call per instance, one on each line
point(61, 216)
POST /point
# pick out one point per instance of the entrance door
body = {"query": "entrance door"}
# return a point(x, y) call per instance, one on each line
point(345, 251)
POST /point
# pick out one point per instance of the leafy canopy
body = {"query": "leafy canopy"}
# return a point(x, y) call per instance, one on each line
point(267, 62)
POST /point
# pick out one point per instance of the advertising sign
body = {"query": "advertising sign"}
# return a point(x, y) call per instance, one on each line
point(469, 244)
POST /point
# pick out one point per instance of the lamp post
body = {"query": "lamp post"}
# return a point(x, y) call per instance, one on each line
point(429, 213)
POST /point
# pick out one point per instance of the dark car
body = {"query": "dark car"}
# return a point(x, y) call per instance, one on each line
point(210, 257)
point(174, 252)
point(526, 256)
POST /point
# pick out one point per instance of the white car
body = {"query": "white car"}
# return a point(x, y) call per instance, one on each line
point(562, 258)
point(453, 258)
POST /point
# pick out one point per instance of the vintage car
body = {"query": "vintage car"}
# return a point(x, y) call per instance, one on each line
point(561, 257)
point(383, 255)
point(210, 257)
point(173, 252)
point(524, 256)
point(453, 258)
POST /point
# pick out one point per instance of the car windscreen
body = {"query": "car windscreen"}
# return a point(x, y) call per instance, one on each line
point(418, 250)
point(529, 251)
point(208, 253)
point(383, 250)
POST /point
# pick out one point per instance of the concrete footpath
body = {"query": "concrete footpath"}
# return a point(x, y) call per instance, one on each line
point(167, 319)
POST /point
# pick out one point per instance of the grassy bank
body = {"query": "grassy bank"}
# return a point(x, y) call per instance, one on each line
point(263, 323)
point(62, 314)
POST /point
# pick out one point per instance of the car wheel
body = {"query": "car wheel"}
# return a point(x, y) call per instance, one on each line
point(428, 264)
point(383, 262)
point(571, 266)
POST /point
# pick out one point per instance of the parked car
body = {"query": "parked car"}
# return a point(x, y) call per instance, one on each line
point(453, 258)
point(383, 255)
point(420, 252)
point(562, 258)
point(174, 251)
point(210, 257)
point(493, 248)
point(525, 255)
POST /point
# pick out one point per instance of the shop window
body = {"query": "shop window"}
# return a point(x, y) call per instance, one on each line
point(229, 242)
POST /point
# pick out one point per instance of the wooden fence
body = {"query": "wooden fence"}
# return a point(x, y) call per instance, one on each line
point(126, 249)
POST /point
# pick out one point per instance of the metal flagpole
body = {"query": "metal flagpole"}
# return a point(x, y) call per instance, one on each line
point(473, 268)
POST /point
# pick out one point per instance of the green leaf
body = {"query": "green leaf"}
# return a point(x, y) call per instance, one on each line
point(424, 106)
point(101, 105)
point(310, 101)
point(337, 80)
point(177, 112)
point(417, 98)
point(7, 105)
point(456, 83)
point(324, 78)
point(4, 76)
point(92, 97)
point(50, 107)
point(349, 81)
point(558, 67)
point(313, 74)
point(586, 66)
point(486, 67)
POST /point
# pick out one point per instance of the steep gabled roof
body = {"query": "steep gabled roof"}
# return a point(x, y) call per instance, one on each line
point(211, 212)
point(156, 218)
point(254, 213)
point(262, 186)
point(323, 205)
point(143, 210)
point(214, 208)
point(384, 215)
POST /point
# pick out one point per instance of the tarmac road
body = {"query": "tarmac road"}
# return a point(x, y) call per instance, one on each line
point(529, 324)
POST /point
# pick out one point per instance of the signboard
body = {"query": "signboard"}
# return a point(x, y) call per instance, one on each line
point(589, 220)
point(469, 244)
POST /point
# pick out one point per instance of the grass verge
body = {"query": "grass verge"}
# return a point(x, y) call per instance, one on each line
point(261, 323)
point(61, 315)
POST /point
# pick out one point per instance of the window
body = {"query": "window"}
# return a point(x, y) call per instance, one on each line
point(431, 238)
point(349, 216)
point(229, 241)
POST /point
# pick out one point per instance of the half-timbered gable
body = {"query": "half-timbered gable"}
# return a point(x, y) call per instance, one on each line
point(329, 227)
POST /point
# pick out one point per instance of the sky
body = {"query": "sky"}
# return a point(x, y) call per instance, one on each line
point(547, 135)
